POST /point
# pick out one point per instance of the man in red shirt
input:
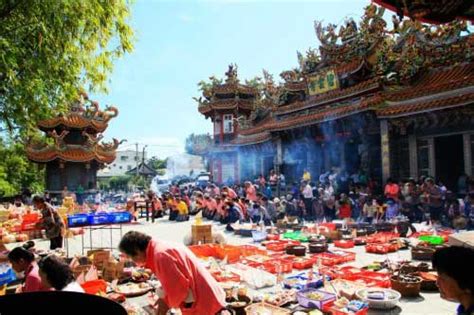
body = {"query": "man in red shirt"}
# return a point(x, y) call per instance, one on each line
point(186, 284)
point(392, 190)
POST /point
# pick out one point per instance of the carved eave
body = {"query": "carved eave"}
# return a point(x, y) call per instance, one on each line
point(71, 153)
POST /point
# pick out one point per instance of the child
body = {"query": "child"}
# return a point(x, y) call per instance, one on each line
point(381, 208)
point(370, 209)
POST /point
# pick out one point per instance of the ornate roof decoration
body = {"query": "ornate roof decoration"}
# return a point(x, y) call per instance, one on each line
point(101, 153)
point(84, 113)
point(413, 46)
point(76, 135)
point(228, 94)
point(440, 11)
point(406, 69)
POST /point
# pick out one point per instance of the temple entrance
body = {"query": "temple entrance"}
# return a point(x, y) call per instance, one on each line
point(449, 159)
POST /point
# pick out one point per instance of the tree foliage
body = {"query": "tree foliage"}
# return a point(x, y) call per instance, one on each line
point(16, 172)
point(157, 164)
point(198, 144)
point(51, 49)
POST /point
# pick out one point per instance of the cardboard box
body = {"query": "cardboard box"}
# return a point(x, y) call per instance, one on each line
point(112, 270)
point(201, 233)
point(99, 257)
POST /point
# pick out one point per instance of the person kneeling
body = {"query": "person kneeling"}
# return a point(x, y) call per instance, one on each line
point(182, 210)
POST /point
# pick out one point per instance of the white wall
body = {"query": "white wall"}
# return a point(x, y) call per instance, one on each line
point(125, 161)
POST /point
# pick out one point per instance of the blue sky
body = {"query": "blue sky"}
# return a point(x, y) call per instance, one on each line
point(180, 43)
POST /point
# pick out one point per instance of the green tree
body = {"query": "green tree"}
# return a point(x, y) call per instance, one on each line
point(119, 182)
point(157, 164)
point(16, 172)
point(51, 49)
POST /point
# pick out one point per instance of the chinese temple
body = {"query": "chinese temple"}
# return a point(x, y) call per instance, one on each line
point(75, 154)
point(385, 101)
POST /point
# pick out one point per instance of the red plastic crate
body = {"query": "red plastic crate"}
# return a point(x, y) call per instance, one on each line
point(345, 256)
point(344, 244)
point(249, 250)
point(331, 309)
point(381, 278)
point(328, 259)
point(232, 277)
point(273, 237)
point(28, 226)
point(31, 217)
point(275, 266)
point(303, 263)
point(381, 248)
point(204, 250)
point(232, 253)
point(382, 237)
point(279, 246)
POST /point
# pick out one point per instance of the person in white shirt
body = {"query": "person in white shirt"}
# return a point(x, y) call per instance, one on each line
point(56, 274)
point(308, 199)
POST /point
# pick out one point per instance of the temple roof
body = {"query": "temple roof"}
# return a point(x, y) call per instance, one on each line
point(143, 169)
point(71, 153)
point(226, 104)
point(440, 11)
point(82, 114)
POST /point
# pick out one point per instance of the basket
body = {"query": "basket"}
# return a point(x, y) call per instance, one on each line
point(317, 248)
point(94, 286)
point(307, 302)
point(427, 284)
point(422, 253)
point(406, 289)
point(391, 298)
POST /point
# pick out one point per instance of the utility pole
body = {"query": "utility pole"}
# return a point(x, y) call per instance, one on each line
point(143, 156)
point(136, 157)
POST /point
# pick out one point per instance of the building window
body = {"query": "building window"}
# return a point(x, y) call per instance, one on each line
point(114, 165)
point(129, 167)
point(228, 124)
point(124, 158)
point(120, 167)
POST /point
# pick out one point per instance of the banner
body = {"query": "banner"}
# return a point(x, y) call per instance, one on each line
point(323, 82)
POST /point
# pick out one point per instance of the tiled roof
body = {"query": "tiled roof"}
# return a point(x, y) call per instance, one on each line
point(73, 120)
point(72, 153)
point(436, 81)
point(252, 139)
point(234, 88)
point(428, 105)
point(325, 114)
point(331, 96)
point(226, 104)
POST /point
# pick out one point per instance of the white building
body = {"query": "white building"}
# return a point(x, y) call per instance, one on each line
point(125, 161)
point(184, 164)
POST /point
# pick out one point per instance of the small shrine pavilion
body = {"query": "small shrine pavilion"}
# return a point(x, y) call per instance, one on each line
point(76, 155)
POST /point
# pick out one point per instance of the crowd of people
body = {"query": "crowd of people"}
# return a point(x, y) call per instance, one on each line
point(334, 195)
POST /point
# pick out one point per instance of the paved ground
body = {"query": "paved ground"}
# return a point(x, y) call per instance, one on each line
point(427, 303)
